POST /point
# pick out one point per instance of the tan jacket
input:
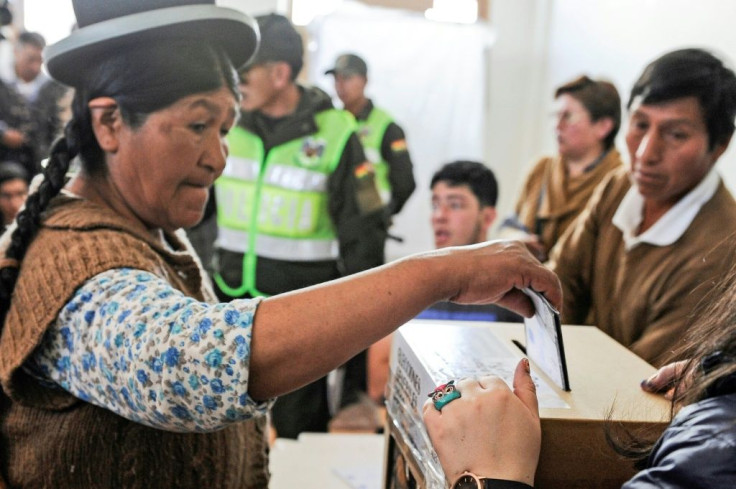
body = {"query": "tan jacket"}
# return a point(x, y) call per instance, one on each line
point(648, 297)
point(551, 200)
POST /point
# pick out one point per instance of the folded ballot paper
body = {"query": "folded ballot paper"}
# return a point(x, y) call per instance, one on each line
point(544, 344)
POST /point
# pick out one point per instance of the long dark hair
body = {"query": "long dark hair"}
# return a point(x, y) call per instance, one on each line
point(710, 347)
point(142, 79)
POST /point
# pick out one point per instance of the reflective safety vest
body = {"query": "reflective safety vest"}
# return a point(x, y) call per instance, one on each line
point(275, 205)
point(371, 131)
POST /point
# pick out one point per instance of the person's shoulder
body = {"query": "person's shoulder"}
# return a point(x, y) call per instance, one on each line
point(542, 163)
point(717, 216)
point(382, 112)
point(315, 99)
point(696, 450)
point(707, 425)
point(52, 88)
point(710, 414)
point(723, 197)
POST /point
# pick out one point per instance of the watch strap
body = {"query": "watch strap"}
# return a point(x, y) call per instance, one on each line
point(503, 484)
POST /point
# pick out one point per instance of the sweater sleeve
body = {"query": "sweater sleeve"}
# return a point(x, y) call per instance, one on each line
point(130, 343)
point(357, 211)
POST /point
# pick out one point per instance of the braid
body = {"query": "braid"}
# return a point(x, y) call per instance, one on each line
point(28, 221)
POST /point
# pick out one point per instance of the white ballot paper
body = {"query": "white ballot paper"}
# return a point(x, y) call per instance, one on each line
point(544, 340)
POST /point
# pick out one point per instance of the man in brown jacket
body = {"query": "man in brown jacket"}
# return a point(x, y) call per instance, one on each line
point(653, 239)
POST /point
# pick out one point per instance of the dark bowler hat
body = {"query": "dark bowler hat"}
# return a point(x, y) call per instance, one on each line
point(347, 65)
point(107, 25)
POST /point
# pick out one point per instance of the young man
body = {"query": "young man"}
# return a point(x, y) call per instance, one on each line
point(297, 204)
point(464, 195)
point(383, 140)
point(654, 237)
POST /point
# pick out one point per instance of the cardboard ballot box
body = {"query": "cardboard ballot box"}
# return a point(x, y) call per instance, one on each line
point(604, 380)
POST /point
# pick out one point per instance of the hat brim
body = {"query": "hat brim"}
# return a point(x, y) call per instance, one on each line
point(344, 72)
point(69, 60)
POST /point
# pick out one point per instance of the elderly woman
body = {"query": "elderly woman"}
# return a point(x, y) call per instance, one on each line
point(116, 368)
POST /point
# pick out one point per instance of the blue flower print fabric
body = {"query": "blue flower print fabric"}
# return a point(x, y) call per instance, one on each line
point(130, 343)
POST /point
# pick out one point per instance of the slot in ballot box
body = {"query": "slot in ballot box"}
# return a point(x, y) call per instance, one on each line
point(604, 380)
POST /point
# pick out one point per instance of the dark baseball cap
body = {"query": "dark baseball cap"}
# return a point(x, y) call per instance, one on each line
point(348, 64)
point(279, 42)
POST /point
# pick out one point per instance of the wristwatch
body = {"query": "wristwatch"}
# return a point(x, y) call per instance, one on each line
point(469, 480)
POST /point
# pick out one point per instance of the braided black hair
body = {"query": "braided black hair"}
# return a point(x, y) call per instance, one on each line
point(142, 79)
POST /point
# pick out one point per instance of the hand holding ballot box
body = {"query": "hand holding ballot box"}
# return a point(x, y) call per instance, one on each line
point(603, 376)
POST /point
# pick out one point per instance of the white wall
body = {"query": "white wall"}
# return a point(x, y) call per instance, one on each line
point(517, 64)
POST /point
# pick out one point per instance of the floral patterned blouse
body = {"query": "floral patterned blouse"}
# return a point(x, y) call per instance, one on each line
point(129, 342)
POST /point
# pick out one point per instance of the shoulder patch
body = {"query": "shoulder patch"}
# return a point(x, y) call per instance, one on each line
point(364, 170)
point(398, 145)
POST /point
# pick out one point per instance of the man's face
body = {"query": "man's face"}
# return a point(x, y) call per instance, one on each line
point(28, 61)
point(13, 194)
point(458, 219)
point(349, 87)
point(258, 87)
point(668, 149)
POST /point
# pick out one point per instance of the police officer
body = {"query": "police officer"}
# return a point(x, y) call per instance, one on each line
point(297, 204)
point(383, 140)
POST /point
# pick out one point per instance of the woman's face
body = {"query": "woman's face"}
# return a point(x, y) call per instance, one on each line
point(162, 171)
point(576, 133)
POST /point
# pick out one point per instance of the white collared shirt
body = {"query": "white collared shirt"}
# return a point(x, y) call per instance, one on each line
point(673, 224)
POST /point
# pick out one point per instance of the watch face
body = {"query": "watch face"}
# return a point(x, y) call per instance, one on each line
point(467, 481)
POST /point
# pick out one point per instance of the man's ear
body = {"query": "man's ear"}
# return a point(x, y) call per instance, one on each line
point(281, 73)
point(719, 149)
point(488, 214)
point(106, 122)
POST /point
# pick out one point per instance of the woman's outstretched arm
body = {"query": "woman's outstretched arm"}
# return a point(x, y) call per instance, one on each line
point(302, 335)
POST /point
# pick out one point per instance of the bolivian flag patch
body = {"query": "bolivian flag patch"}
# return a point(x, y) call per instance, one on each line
point(398, 145)
point(364, 169)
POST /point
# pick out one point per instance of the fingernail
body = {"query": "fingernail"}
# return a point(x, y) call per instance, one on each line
point(525, 362)
point(645, 384)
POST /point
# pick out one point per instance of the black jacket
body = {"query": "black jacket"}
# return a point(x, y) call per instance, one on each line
point(696, 451)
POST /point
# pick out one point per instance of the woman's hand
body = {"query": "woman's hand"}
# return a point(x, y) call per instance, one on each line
point(497, 271)
point(490, 430)
point(664, 379)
